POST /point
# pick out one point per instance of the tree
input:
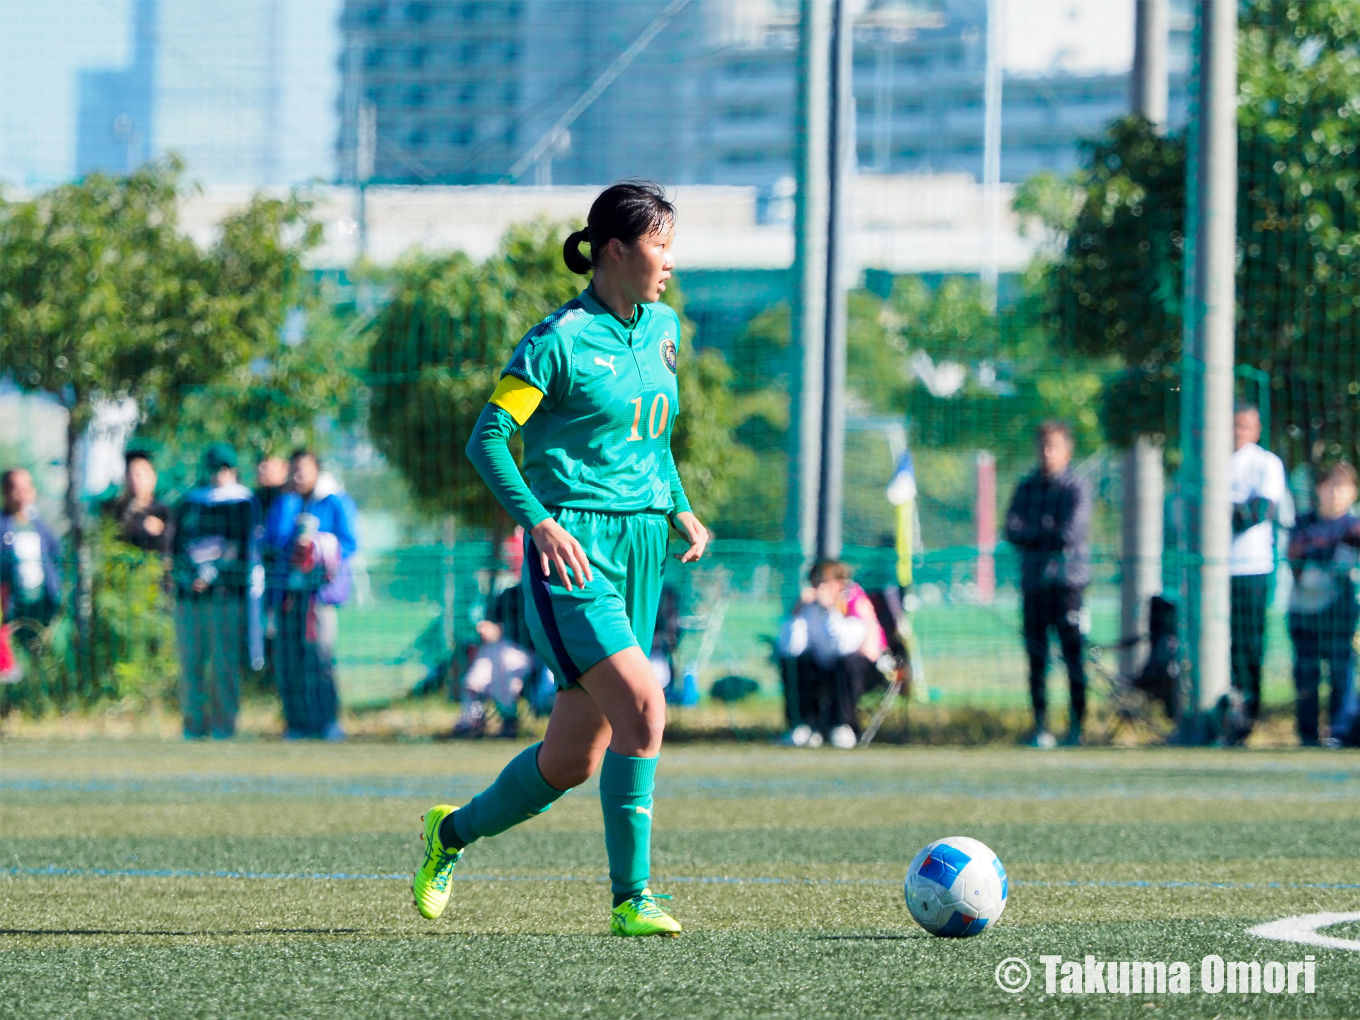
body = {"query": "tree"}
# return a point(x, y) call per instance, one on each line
point(101, 297)
point(304, 385)
point(1115, 289)
point(437, 353)
point(452, 324)
point(1299, 219)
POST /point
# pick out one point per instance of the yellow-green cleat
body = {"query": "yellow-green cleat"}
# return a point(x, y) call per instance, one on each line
point(641, 916)
point(432, 884)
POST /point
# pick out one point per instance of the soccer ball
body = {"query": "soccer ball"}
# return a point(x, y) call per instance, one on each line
point(956, 887)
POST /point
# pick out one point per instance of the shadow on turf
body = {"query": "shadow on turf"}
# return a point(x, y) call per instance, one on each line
point(868, 938)
point(152, 931)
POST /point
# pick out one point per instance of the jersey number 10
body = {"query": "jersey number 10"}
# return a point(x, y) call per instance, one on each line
point(656, 417)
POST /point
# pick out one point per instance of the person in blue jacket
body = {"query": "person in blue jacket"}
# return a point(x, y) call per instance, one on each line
point(312, 535)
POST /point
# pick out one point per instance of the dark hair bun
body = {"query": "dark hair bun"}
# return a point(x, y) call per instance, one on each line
point(628, 210)
point(577, 262)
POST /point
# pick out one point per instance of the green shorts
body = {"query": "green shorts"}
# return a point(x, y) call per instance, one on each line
point(573, 630)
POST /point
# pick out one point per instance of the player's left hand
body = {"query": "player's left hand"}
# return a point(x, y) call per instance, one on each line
point(695, 533)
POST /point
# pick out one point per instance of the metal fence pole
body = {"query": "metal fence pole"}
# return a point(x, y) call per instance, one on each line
point(1206, 424)
point(812, 152)
point(841, 169)
point(1143, 481)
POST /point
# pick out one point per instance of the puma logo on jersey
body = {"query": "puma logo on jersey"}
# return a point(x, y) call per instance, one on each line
point(607, 364)
point(642, 811)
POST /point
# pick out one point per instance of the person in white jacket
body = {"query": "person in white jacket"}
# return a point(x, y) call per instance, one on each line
point(828, 648)
point(1259, 497)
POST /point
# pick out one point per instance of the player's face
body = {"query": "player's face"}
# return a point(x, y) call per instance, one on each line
point(272, 472)
point(1246, 428)
point(646, 264)
point(1336, 495)
point(830, 593)
point(141, 478)
point(19, 493)
point(305, 474)
point(1055, 453)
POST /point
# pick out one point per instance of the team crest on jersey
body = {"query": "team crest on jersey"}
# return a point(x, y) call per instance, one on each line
point(668, 353)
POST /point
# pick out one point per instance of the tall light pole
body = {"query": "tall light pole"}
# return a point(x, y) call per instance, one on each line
point(812, 133)
point(840, 173)
point(1207, 368)
point(1143, 482)
point(991, 149)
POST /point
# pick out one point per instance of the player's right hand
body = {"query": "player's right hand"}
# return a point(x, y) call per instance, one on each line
point(556, 546)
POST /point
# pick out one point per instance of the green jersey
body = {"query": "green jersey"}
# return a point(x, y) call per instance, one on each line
point(600, 438)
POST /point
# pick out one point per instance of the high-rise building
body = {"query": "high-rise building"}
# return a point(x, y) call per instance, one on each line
point(114, 120)
point(459, 91)
point(244, 90)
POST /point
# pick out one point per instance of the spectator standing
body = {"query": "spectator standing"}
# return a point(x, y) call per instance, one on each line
point(1049, 521)
point(271, 480)
point(218, 582)
point(143, 520)
point(1257, 491)
point(310, 532)
point(1324, 554)
point(30, 578)
point(828, 647)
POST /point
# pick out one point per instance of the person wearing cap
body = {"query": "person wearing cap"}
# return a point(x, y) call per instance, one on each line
point(218, 584)
point(311, 537)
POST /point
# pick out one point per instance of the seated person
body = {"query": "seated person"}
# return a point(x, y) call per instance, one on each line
point(665, 640)
point(828, 649)
point(504, 664)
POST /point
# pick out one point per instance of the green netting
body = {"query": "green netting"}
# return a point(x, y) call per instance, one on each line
point(382, 369)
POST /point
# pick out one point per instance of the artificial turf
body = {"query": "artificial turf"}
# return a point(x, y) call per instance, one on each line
point(259, 879)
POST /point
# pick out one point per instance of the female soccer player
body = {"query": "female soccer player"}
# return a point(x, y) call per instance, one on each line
point(593, 390)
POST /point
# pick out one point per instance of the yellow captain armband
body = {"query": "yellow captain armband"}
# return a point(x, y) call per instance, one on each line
point(517, 398)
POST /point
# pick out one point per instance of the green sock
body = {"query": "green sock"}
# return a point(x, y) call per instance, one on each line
point(626, 786)
point(519, 793)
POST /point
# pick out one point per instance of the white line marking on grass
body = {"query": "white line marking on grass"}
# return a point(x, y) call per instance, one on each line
point(1303, 929)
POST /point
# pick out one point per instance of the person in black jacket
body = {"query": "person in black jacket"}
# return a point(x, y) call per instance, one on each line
point(1049, 521)
point(1324, 555)
point(143, 520)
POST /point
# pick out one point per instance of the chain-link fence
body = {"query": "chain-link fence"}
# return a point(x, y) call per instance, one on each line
point(375, 339)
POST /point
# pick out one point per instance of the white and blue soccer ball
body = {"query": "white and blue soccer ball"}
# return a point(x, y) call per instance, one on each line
point(956, 887)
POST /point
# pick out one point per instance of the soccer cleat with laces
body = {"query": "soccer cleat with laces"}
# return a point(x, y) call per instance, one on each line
point(641, 916)
point(431, 886)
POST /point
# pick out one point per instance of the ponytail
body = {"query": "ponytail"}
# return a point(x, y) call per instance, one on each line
point(577, 262)
point(628, 210)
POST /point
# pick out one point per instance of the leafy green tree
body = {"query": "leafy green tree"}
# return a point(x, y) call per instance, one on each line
point(304, 386)
point(102, 297)
point(1005, 377)
point(452, 324)
point(437, 353)
point(1298, 219)
point(1115, 289)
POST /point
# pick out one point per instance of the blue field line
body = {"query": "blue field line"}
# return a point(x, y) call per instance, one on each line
point(673, 879)
point(1310, 786)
